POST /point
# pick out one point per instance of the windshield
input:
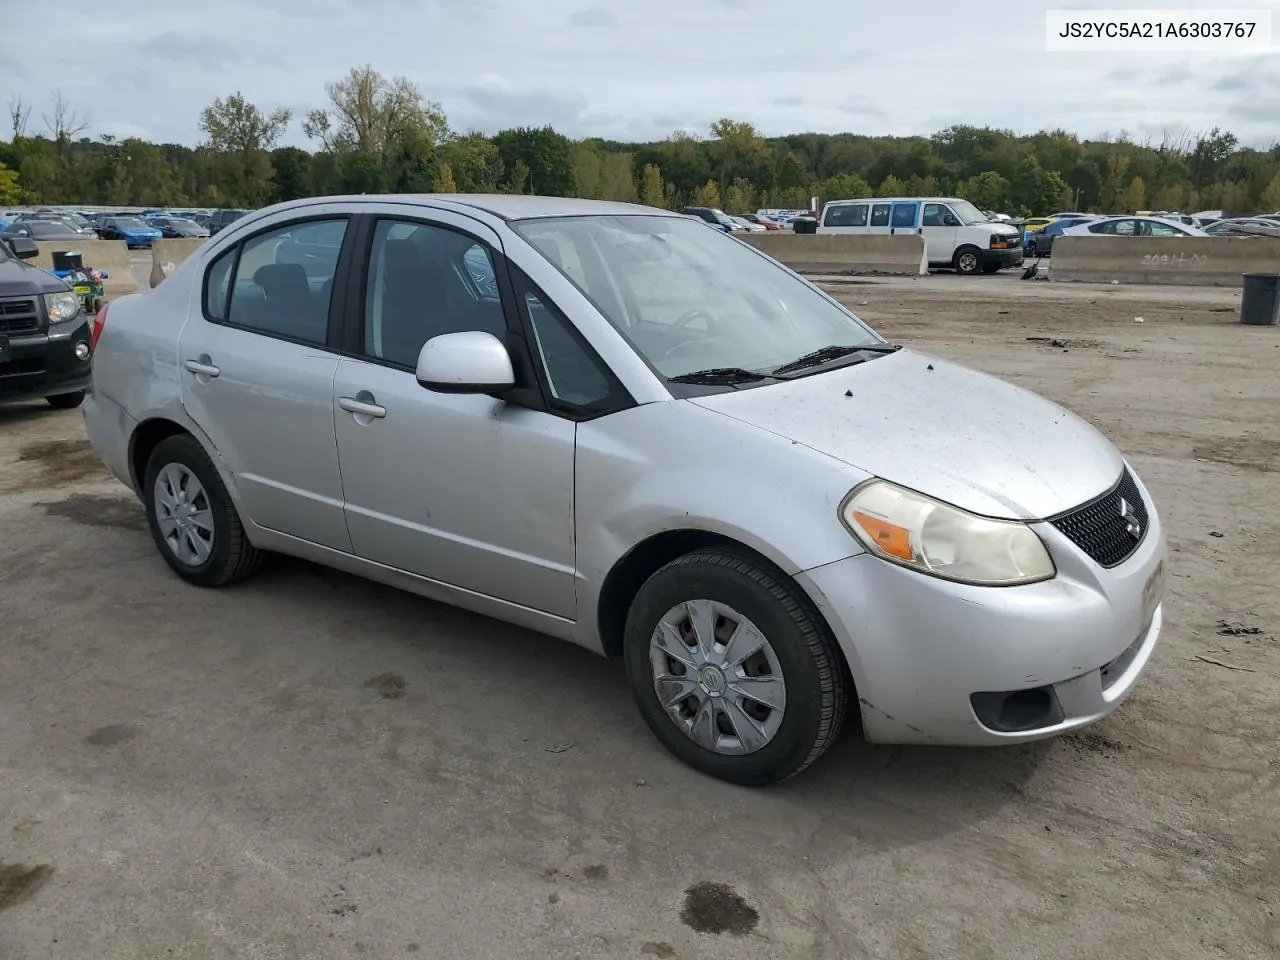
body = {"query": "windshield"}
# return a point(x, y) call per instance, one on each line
point(130, 223)
point(45, 230)
point(968, 213)
point(691, 299)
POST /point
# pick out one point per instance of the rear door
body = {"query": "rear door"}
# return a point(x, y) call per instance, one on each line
point(879, 221)
point(257, 370)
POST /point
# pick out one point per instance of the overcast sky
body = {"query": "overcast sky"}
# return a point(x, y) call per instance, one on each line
point(633, 71)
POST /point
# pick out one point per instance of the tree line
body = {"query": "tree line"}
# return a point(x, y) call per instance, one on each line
point(377, 135)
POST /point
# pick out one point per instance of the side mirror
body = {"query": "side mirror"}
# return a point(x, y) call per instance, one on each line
point(23, 248)
point(950, 221)
point(467, 362)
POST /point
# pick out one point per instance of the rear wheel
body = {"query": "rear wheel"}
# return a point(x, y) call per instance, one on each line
point(192, 518)
point(967, 261)
point(66, 401)
point(733, 669)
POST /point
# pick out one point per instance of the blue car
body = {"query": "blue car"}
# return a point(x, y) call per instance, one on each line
point(134, 232)
point(1040, 243)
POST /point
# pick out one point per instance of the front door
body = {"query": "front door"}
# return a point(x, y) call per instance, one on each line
point(257, 376)
point(464, 489)
point(939, 226)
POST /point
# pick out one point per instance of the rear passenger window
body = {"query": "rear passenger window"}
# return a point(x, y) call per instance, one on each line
point(904, 214)
point(846, 215)
point(880, 215)
point(284, 281)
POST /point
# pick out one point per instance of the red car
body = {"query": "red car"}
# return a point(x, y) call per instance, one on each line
point(763, 221)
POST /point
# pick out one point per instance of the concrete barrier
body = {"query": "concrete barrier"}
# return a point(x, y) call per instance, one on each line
point(167, 254)
point(843, 253)
point(111, 256)
point(1197, 261)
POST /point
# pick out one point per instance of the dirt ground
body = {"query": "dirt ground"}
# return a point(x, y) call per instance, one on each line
point(309, 766)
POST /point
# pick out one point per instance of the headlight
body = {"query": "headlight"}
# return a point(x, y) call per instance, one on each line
point(916, 531)
point(61, 306)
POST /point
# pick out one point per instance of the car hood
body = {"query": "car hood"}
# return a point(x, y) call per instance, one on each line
point(18, 279)
point(955, 434)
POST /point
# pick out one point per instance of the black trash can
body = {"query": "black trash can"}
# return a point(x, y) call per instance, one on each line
point(1260, 301)
point(67, 260)
point(806, 225)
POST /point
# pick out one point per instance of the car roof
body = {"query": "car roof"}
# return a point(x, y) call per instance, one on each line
point(501, 205)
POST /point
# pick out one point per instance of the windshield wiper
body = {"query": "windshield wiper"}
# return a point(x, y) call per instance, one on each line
point(833, 352)
point(721, 375)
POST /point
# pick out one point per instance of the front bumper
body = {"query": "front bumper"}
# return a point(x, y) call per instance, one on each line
point(921, 648)
point(44, 364)
point(1011, 257)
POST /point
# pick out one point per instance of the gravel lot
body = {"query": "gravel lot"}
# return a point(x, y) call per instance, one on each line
point(309, 766)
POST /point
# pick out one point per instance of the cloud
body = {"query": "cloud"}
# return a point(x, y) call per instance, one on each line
point(634, 79)
point(201, 49)
point(592, 17)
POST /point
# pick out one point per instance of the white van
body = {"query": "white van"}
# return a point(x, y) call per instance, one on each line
point(956, 233)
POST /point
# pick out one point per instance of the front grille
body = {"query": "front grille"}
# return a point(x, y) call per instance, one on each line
point(18, 316)
point(1102, 528)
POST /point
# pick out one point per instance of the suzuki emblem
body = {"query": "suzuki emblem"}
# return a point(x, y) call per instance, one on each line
point(1132, 525)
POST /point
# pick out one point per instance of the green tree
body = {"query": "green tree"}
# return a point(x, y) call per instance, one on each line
point(1035, 191)
point(845, 186)
point(384, 132)
point(651, 186)
point(740, 197)
point(545, 154)
point(244, 134)
point(444, 180)
point(474, 161)
point(707, 195)
point(987, 190)
point(9, 192)
point(890, 186)
point(1270, 202)
point(292, 168)
point(1134, 197)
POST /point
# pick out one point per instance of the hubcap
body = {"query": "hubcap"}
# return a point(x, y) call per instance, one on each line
point(184, 514)
point(968, 262)
point(717, 677)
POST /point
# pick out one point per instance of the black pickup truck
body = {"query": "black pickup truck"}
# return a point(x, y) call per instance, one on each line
point(45, 341)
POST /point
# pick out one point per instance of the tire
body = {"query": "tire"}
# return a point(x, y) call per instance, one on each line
point(66, 401)
point(967, 261)
point(815, 683)
point(230, 556)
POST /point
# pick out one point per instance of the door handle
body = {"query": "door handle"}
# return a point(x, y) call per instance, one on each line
point(202, 368)
point(363, 404)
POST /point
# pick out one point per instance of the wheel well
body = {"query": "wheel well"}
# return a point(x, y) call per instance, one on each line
point(145, 439)
point(643, 561)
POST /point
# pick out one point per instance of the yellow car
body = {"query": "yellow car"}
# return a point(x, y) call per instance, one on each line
point(1036, 224)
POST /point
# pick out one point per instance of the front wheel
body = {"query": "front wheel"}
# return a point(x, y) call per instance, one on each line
point(192, 517)
point(733, 669)
point(968, 261)
point(66, 401)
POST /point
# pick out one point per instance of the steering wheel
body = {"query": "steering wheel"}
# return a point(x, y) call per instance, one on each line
point(696, 313)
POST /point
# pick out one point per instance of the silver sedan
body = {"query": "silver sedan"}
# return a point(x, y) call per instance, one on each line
point(609, 424)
